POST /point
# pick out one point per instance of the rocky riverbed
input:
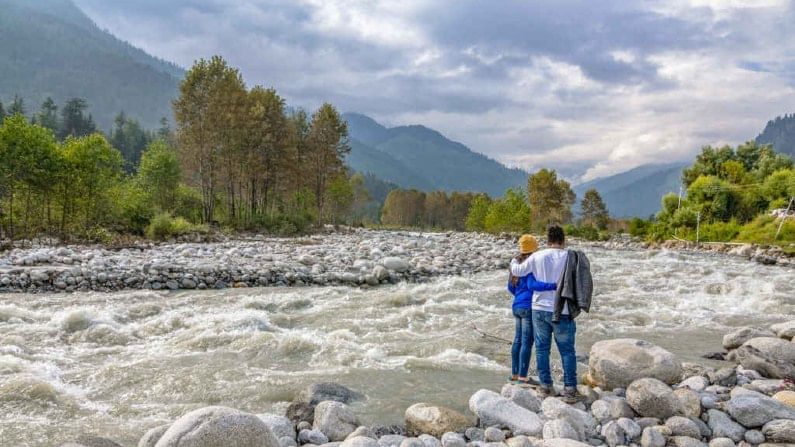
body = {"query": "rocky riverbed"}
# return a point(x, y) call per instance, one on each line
point(355, 257)
point(635, 394)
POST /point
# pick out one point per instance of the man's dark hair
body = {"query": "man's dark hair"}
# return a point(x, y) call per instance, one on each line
point(555, 235)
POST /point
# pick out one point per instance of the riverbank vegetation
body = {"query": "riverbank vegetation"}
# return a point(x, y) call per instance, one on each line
point(237, 159)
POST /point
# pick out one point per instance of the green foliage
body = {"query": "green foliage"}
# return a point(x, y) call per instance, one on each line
point(476, 217)
point(130, 139)
point(159, 174)
point(163, 226)
point(719, 231)
point(550, 199)
point(594, 211)
point(587, 232)
point(638, 227)
point(763, 230)
point(508, 214)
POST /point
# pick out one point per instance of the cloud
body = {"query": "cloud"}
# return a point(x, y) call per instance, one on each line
point(588, 87)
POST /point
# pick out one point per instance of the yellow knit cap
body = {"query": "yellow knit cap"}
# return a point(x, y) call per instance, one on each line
point(527, 244)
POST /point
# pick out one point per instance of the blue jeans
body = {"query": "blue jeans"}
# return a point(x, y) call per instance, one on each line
point(564, 331)
point(522, 342)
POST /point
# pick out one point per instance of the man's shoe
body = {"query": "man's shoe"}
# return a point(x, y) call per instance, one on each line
point(545, 391)
point(571, 395)
point(528, 381)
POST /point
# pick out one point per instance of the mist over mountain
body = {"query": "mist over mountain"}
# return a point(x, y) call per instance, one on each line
point(418, 157)
point(52, 49)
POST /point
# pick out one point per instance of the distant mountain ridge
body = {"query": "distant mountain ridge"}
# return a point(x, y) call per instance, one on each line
point(51, 48)
point(637, 192)
point(780, 132)
point(418, 157)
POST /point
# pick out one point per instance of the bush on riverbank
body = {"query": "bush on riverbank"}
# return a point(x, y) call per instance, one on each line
point(164, 226)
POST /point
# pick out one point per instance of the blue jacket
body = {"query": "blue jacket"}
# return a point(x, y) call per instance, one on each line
point(523, 291)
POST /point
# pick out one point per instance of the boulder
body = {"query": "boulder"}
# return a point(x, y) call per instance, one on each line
point(395, 263)
point(721, 442)
point(475, 434)
point(521, 396)
point(723, 377)
point(429, 441)
point(690, 400)
point(433, 420)
point(583, 422)
point(319, 392)
point(365, 431)
point(780, 430)
point(723, 426)
point(685, 441)
point(519, 441)
point(654, 437)
point(494, 434)
point(632, 429)
point(771, 357)
point(754, 437)
point(682, 426)
point(786, 397)
point(315, 437)
point(653, 398)
point(562, 442)
point(784, 330)
point(279, 425)
point(695, 383)
point(752, 409)
point(335, 420)
point(286, 441)
point(390, 440)
point(412, 442)
point(451, 439)
point(765, 386)
point(360, 441)
point(214, 426)
point(299, 412)
point(559, 428)
point(150, 438)
point(736, 338)
point(611, 407)
point(495, 410)
point(617, 363)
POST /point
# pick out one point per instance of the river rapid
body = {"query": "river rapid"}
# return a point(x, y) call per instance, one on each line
point(117, 364)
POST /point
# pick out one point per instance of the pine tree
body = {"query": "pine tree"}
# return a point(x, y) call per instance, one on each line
point(48, 115)
point(17, 106)
point(74, 123)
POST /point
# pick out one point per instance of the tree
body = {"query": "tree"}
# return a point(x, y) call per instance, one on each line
point(339, 197)
point(435, 209)
point(476, 217)
point(130, 139)
point(328, 145)
point(159, 174)
point(550, 199)
point(594, 211)
point(48, 115)
point(405, 208)
point(17, 106)
point(2, 113)
point(74, 123)
point(510, 213)
point(206, 111)
point(457, 210)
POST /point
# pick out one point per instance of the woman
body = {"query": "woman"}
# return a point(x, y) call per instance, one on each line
point(522, 289)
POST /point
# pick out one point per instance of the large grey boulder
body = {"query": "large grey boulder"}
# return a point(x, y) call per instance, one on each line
point(784, 330)
point(451, 439)
point(582, 421)
point(335, 420)
point(559, 428)
point(495, 410)
point(682, 426)
point(150, 438)
point(752, 409)
point(771, 357)
point(521, 396)
point(723, 426)
point(736, 338)
point(395, 263)
point(279, 425)
point(434, 420)
point(391, 440)
point(653, 398)
point(685, 441)
point(780, 430)
point(215, 426)
point(721, 442)
point(319, 392)
point(690, 401)
point(617, 363)
point(656, 436)
point(610, 408)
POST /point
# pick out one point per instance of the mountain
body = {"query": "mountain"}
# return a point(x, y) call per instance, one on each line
point(418, 157)
point(51, 48)
point(637, 192)
point(780, 132)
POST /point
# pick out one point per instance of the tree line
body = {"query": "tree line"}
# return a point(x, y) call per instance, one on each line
point(729, 194)
point(236, 158)
point(547, 200)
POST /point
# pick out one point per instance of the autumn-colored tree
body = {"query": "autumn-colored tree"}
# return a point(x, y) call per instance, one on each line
point(326, 149)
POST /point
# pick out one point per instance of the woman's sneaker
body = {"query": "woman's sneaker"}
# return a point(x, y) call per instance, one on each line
point(570, 395)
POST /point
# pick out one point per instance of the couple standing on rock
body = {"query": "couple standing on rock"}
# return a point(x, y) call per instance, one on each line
point(550, 288)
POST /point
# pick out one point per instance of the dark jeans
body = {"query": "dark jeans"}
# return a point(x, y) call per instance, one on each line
point(522, 342)
point(564, 331)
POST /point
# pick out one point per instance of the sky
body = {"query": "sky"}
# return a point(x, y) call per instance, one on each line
point(591, 88)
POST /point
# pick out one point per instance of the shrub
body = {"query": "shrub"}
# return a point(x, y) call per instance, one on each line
point(163, 226)
point(719, 231)
point(763, 230)
point(638, 227)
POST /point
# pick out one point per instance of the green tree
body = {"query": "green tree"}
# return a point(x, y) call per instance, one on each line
point(510, 213)
point(74, 122)
point(550, 199)
point(17, 106)
point(159, 174)
point(207, 112)
point(594, 211)
point(458, 210)
point(48, 115)
point(130, 139)
point(476, 217)
point(328, 145)
point(339, 197)
point(2, 113)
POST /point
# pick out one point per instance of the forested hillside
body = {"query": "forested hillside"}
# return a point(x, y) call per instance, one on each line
point(780, 132)
point(51, 49)
point(422, 158)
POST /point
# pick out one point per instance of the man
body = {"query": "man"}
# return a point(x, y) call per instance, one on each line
point(547, 266)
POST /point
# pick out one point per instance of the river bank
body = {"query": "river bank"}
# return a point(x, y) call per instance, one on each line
point(358, 257)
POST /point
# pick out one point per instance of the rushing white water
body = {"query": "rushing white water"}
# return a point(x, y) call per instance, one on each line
point(115, 365)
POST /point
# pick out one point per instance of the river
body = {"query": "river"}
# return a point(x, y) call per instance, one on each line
point(117, 364)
